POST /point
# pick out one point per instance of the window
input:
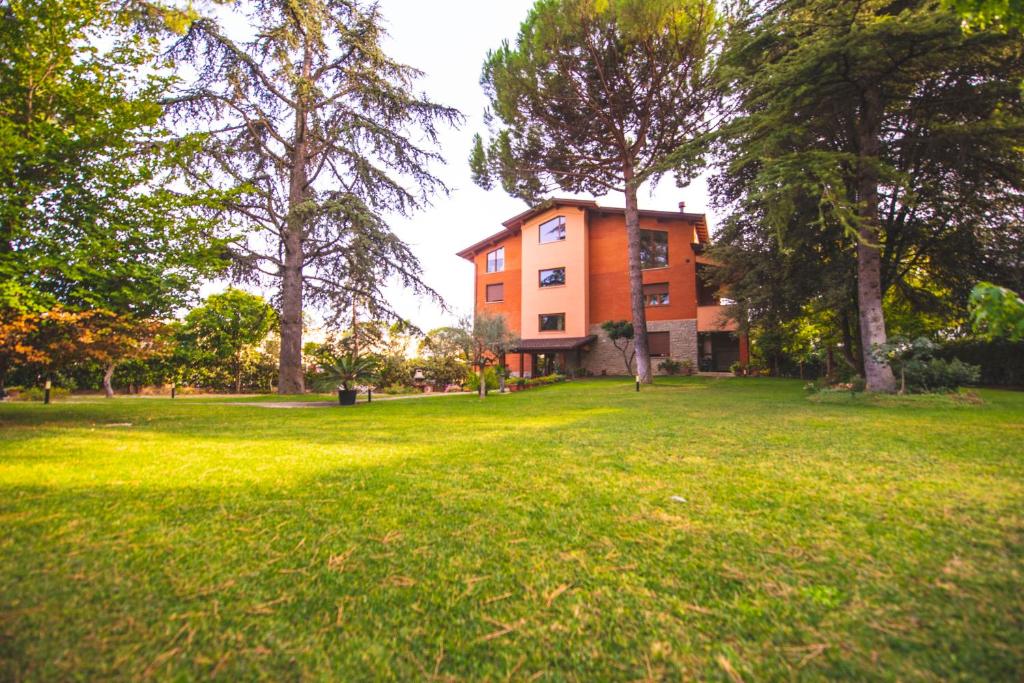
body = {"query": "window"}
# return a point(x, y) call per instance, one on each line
point(495, 292)
point(656, 294)
point(658, 344)
point(552, 230)
point(552, 322)
point(653, 248)
point(707, 294)
point(552, 277)
point(496, 260)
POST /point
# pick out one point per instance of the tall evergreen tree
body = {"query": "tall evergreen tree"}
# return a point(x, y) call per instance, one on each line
point(321, 134)
point(878, 148)
point(595, 97)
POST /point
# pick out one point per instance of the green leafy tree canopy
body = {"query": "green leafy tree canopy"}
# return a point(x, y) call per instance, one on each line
point(225, 326)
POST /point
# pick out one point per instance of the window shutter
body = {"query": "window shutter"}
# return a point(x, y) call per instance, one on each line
point(496, 292)
point(658, 343)
point(656, 288)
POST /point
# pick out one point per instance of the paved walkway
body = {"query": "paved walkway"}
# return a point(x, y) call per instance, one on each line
point(328, 404)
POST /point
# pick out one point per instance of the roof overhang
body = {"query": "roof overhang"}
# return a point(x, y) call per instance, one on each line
point(469, 252)
point(553, 344)
point(517, 221)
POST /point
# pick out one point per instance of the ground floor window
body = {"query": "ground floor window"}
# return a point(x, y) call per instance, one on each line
point(547, 363)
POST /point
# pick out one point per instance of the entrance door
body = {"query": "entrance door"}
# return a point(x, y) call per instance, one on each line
point(719, 350)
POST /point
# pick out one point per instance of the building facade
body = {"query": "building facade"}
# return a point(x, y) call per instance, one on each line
point(559, 270)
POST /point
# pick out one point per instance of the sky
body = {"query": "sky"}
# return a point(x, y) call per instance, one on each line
point(448, 42)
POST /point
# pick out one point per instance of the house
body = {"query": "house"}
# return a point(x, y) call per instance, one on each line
point(559, 270)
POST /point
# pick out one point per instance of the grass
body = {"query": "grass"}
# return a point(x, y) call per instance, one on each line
point(528, 536)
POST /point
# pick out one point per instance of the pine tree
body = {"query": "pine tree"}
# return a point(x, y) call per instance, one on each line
point(598, 96)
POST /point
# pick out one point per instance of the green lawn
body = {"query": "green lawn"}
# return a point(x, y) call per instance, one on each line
point(529, 536)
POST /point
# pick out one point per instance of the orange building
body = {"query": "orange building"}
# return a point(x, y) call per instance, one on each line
point(559, 270)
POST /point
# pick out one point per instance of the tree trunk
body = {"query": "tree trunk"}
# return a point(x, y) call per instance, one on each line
point(108, 376)
point(482, 389)
point(852, 359)
point(626, 359)
point(290, 367)
point(636, 283)
point(238, 373)
point(878, 375)
point(290, 379)
point(355, 329)
point(501, 374)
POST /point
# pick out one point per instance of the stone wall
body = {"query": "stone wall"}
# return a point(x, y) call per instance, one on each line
point(604, 358)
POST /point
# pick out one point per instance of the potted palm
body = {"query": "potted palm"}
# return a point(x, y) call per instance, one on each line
point(345, 374)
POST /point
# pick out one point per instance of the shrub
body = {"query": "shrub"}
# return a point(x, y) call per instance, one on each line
point(756, 370)
point(37, 394)
point(737, 368)
point(937, 374)
point(393, 370)
point(546, 379)
point(1001, 362)
point(442, 370)
point(918, 371)
point(670, 367)
point(490, 377)
point(399, 389)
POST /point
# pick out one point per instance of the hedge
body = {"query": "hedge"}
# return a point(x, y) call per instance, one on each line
point(1001, 362)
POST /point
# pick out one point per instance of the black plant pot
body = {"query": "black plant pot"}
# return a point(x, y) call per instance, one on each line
point(347, 397)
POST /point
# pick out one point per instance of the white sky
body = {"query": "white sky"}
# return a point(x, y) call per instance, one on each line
point(448, 41)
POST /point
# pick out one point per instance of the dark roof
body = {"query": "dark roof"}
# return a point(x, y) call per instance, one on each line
point(514, 224)
point(472, 250)
point(557, 344)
